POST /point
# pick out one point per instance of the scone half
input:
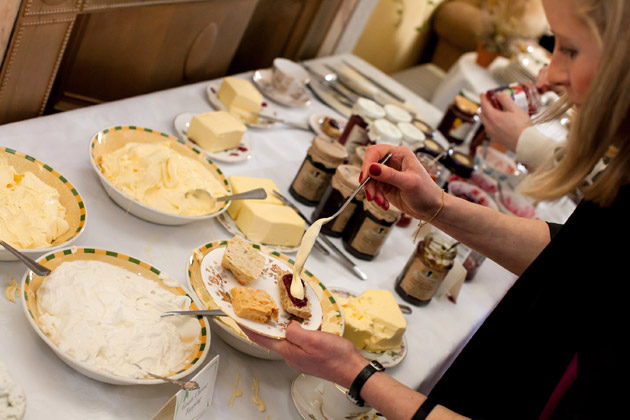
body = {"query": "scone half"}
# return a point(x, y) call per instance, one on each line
point(298, 307)
point(243, 260)
point(254, 304)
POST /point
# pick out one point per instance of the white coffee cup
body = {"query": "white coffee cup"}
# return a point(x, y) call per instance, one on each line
point(336, 405)
point(288, 76)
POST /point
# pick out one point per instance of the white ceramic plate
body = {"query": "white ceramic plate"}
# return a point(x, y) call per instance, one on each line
point(238, 154)
point(69, 197)
point(316, 120)
point(110, 139)
point(387, 358)
point(262, 80)
point(230, 225)
point(32, 282)
point(307, 394)
point(212, 91)
point(219, 281)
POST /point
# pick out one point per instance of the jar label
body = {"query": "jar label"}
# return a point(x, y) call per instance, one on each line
point(420, 281)
point(310, 182)
point(357, 137)
point(370, 237)
point(460, 129)
point(342, 220)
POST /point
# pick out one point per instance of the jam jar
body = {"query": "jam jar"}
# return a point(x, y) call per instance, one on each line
point(435, 169)
point(460, 120)
point(343, 183)
point(356, 159)
point(431, 147)
point(368, 229)
point(355, 133)
point(382, 131)
point(459, 163)
point(318, 167)
point(426, 269)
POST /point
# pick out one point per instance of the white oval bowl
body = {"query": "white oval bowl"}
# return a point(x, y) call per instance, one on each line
point(113, 138)
point(31, 283)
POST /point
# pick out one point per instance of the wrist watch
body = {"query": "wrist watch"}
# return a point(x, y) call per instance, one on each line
point(354, 394)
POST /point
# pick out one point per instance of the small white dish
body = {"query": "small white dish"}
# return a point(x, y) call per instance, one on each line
point(316, 120)
point(307, 393)
point(212, 91)
point(389, 358)
point(238, 154)
point(230, 225)
point(263, 81)
point(220, 281)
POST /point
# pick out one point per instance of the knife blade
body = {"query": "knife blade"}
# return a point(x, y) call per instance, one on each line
point(283, 121)
point(203, 312)
point(375, 83)
point(348, 98)
point(344, 258)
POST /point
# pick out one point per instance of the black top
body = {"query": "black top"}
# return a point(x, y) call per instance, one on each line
point(570, 300)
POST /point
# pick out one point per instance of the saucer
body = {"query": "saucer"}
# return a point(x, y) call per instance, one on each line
point(307, 394)
point(262, 80)
point(212, 91)
point(316, 120)
point(238, 154)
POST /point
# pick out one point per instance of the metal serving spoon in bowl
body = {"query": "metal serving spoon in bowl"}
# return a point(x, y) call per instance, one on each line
point(35, 267)
point(203, 195)
point(187, 385)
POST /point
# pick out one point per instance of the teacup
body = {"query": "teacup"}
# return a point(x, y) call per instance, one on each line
point(288, 76)
point(336, 405)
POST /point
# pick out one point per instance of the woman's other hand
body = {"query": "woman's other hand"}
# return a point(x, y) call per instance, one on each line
point(504, 126)
point(315, 353)
point(403, 181)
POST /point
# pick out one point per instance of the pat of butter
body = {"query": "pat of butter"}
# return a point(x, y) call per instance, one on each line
point(374, 321)
point(216, 131)
point(241, 184)
point(270, 224)
point(241, 98)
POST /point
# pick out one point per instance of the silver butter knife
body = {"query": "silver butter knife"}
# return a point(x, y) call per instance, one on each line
point(344, 258)
point(202, 312)
point(283, 121)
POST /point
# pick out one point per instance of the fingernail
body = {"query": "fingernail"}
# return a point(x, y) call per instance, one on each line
point(360, 177)
point(368, 195)
point(375, 170)
point(386, 206)
point(379, 201)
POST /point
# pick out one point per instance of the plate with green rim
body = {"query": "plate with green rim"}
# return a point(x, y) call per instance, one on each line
point(69, 198)
point(32, 282)
point(113, 138)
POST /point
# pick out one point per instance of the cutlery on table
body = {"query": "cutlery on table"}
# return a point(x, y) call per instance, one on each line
point(202, 312)
point(330, 85)
point(35, 267)
point(187, 385)
point(201, 194)
point(283, 121)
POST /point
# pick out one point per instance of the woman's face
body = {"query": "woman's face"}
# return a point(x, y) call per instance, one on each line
point(576, 54)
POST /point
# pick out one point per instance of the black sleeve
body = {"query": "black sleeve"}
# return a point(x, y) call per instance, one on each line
point(554, 228)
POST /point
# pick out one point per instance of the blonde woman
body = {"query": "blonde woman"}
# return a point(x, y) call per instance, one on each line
point(569, 303)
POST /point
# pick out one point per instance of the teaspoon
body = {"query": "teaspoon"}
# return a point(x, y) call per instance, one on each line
point(35, 267)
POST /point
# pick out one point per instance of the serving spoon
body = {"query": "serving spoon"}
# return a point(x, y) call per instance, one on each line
point(203, 195)
point(35, 267)
point(187, 385)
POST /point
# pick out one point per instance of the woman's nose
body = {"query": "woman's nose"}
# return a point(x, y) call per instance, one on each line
point(558, 73)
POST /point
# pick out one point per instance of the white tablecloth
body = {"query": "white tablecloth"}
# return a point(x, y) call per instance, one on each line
point(55, 391)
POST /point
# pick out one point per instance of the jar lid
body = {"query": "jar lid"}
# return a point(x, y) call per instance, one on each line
point(390, 215)
point(367, 108)
point(346, 180)
point(466, 105)
point(383, 131)
point(396, 114)
point(410, 133)
point(432, 147)
point(441, 248)
point(327, 151)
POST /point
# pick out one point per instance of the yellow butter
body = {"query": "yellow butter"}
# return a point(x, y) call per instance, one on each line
point(241, 98)
point(241, 184)
point(216, 131)
point(270, 224)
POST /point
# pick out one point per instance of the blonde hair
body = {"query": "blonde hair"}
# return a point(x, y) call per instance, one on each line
point(602, 122)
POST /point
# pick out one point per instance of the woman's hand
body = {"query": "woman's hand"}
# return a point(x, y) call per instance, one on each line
point(315, 353)
point(403, 181)
point(504, 126)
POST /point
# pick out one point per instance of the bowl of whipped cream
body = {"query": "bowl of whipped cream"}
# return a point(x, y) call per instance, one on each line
point(149, 173)
point(40, 210)
point(99, 311)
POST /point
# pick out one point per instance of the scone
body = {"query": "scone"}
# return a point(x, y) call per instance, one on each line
point(331, 127)
point(298, 307)
point(254, 304)
point(244, 261)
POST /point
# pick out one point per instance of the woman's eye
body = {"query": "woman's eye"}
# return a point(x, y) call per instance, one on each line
point(570, 52)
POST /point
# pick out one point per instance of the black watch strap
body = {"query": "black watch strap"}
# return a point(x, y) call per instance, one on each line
point(354, 394)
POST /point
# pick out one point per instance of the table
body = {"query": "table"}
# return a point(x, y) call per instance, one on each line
point(55, 391)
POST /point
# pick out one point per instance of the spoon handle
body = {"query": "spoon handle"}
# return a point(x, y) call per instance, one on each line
point(37, 268)
point(255, 194)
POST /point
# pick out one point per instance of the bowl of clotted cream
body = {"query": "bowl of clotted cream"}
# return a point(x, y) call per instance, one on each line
point(150, 174)
point(40, 210)
point(99, 311)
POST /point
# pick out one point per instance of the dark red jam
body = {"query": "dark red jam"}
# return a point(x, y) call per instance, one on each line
point(286, 279)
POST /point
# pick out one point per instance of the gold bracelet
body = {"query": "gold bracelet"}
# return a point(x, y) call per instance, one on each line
point(422, 223)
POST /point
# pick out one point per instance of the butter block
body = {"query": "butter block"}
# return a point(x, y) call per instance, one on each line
point(241, 98)
point(216, 131)
point(241, 184)
point(270, 224)
point(373, 321)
